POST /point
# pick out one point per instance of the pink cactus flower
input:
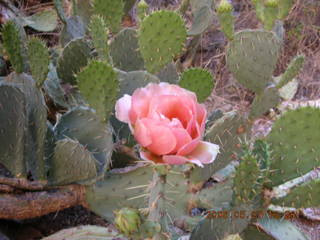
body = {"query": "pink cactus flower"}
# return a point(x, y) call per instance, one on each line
point(169, 123)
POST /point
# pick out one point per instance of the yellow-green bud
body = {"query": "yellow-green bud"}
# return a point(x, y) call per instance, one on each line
point(142, 9)
point(224, 7)
point(272, 3)
point(127, 221)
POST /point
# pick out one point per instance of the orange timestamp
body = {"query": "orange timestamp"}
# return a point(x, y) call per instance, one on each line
point(244, 214)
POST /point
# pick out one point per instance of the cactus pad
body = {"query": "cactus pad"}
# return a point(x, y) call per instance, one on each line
point(99, 85)
point(124, 51)
point(270, 98)
point(99, 34)
point(306, 195)
point(169, 74)
point(39, 60)
point(12, 42)
point(74, 57)
point(162, 36)
point(246, 186)
point(292, 71)
point(270, 13)
point(227, 132)
point(111, 10)
point(199, 81)
point(273, 229)
point(135, 79)
point(294, 140)
point(226, 19)
point(284, 8)
point(12, 133)
point(73, 28)
point(71, 163)
point(202, 19)
point(86, 232)
point(252, 56)
point(36, 115)
point(82, 125)
point(124, 188)
point(217, 227)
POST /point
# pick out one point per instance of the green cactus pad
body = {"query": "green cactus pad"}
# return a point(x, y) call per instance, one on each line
point(86, 232)
point(162, 36)
point(71, 163)
point(39, 60)
point(294, 140)
point(83, 125)
point(273, 229)
point(13, 44)
point(43, 21)
point(49, 145)
point(284, 8)
point(61, 97)
point(36, 114)
point(270, 98)
point(73, 28)
point(12, 133)
point(99, 85)
point(306, 195)
point(99, 34)
point(124, 51)
point(271, 11)
point(217, 227)
point(120, 188)
point(259, 7)
point(252, 56)
point(226, 19)
point(169, 74)
point(135, 79)
point(199, 81)
point(227, 132)
point(111, 10)
point(202, 19)
point(246, 187)
point(292, 71)
point(74, 57)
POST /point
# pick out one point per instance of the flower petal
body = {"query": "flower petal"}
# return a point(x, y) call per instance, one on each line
point(182, 138)
point(147, 156)
point(174, 159)
point(142, 133)
point(163, 141)
point(204, 153)
point(123, 106)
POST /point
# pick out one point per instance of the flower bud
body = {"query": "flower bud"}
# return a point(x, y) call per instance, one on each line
point(127, 221)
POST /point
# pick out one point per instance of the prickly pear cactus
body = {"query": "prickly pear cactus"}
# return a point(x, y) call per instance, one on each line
point(13, 120)
point(264, 102)
point(162, 36)
point(74, 57)
point(124, 50)
point(13, 42)
point(296, 134)
point(292, 71)
point(111, 10)
point(199, 81)
point(71, 163)
point(252, 56)
point(303, 196)
point(246, 185)
point(39, 60)
point(82, 125)
point(99, 34)
point(270, 13)
point(226, 19)
point(99, 84)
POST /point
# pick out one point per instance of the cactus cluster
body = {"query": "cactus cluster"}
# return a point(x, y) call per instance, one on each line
point(99, 63)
